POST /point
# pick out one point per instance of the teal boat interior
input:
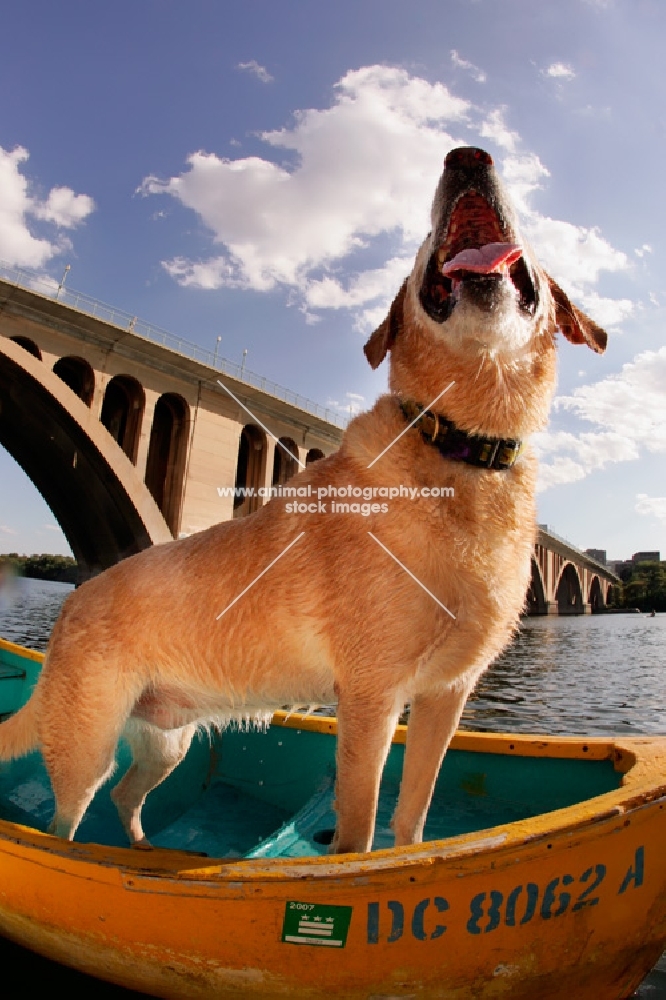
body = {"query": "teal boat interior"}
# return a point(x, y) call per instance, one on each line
point(269, 794)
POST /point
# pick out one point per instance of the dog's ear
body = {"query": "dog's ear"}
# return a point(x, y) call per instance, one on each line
point(574, 324)
point(382, 339)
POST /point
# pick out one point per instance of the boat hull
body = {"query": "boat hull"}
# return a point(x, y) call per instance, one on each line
point(567, 903)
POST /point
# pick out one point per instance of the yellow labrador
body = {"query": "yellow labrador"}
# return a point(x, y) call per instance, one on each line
point(407, 599)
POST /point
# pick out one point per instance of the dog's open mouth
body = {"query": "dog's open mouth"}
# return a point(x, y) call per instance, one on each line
point(478, 254)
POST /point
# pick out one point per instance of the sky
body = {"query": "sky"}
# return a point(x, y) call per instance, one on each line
point(263, 171)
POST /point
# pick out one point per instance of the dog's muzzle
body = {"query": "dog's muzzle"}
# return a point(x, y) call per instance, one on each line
point(475, 240)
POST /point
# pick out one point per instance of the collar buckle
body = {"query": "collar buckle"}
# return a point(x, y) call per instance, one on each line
point(488, 453)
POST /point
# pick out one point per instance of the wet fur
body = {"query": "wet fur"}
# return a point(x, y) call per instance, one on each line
point(139, 650)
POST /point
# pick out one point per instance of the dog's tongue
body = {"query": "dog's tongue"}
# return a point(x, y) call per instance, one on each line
point(488, 259)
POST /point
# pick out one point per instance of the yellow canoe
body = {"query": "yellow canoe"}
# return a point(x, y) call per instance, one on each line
point(544, 875)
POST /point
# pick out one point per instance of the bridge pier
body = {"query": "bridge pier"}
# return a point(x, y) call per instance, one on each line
point(144, 431)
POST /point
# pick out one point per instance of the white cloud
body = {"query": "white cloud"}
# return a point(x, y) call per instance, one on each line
point(631, 403)
point(641, 251)
point(17, 244)
point(523, 174)
point(655, 506)
point(352, 405)
point(372, 286)
point(213, 273)
point(476, 73)
point(574, 256)
point(560, 71)
point(567, 458)
point(609, 313)
point(62, 207)
point(6, 530)
point(628, 412)
point(257, 70)
point(364, 167)
point(494, 127)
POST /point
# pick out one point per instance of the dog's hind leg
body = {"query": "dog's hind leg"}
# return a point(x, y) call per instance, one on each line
point(366, 724)
point(84, 706)
point(432, 722)
point(74, 793)
point(155, 752)
point(77, 767)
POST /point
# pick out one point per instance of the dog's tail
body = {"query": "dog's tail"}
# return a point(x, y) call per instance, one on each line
point(19, 734)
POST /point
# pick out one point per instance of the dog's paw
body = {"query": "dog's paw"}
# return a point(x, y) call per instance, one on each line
point(143, 844)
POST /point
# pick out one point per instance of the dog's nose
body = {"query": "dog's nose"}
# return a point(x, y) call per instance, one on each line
point(468, 157)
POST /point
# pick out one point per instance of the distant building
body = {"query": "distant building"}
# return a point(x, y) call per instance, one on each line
point(625, 566)
point(599, 555)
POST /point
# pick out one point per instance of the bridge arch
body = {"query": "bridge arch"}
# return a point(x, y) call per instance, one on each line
point(95, 493)
point(167, 454)
point(78, 375)
point(596, 598)
point(535, 601)
point(569, 592)
point(122, 412)
point(250, 468)
point(28, 345)
point(284, 466)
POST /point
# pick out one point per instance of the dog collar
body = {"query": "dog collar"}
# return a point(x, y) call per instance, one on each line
point(497, 454)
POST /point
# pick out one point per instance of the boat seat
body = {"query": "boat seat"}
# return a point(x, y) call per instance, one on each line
point(308, 832)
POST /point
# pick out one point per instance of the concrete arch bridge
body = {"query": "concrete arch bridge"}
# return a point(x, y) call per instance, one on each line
point(566, 581)
point(131, 442)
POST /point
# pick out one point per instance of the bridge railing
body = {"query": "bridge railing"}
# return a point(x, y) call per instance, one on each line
point(133, 324)
point(570, 545)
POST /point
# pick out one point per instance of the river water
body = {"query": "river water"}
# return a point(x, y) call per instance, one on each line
point(592, 675)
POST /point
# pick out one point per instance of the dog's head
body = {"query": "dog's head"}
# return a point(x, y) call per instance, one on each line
point(475, 286)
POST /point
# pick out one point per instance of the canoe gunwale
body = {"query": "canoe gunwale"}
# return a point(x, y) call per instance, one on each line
point(22, 651)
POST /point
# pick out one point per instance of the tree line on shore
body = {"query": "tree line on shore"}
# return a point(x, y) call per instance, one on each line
point(642, 586)
point(62, 569)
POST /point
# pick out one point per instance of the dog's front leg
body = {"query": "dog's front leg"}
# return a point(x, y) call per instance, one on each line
point(432, 722)
point(366, 724)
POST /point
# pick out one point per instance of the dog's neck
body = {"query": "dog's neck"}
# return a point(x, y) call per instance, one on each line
point(488, 397)
point(496, 454)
